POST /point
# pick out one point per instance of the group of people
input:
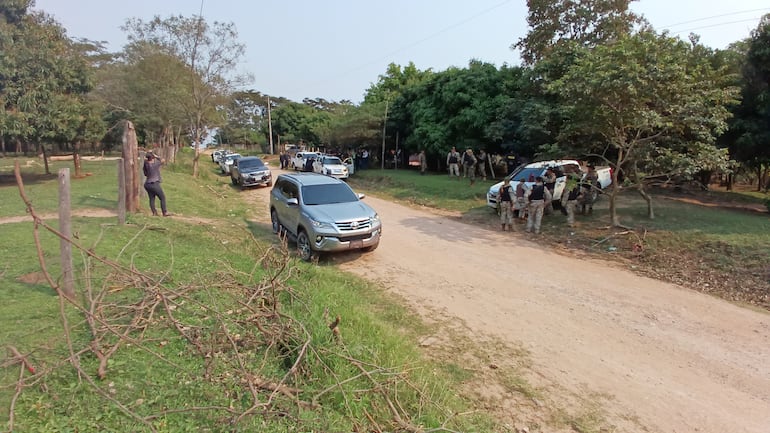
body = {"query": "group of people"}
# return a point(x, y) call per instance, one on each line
point(470, 163)
point(530, 204)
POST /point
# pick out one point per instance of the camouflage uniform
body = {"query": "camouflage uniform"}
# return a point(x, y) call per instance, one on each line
point(590, 186)
point(538, 196)
point(505, 204)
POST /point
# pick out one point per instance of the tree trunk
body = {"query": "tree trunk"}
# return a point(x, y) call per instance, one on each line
point(2, 143)
point(131, 163)
point(759, 178)
point(615, 189)
point(45, 158)
point(76, 160)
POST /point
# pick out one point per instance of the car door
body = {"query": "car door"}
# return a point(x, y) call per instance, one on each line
point(288, 213)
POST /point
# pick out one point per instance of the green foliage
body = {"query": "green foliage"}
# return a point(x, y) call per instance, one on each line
point(649, 99)
point(44, 80)
point(587, 23)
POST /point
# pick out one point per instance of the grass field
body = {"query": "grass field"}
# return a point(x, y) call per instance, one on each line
point(213, 326)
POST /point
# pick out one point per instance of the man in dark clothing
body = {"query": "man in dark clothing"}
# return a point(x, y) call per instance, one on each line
point(505, 203)
point(538, 195)
point(309, 164)
point(151, 170)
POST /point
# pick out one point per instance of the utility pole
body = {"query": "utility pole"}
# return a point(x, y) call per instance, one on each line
point(270, 126)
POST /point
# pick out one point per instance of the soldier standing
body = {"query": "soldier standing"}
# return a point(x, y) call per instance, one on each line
point(520, 205)
point(570, 198)
point(538, 195)
point(481, 163)
point(423, 162)
point(505, 204)
point(453, 162)
point(469, 166)
point(590, 187)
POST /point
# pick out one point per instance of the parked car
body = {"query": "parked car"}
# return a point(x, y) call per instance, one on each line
point(322, 214)
point(300, 158)
point(226, 161)
point(330, 166)
point(250, 171)
point(217, 155)
point(562, 167)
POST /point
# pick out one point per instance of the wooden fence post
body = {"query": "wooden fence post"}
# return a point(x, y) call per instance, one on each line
point(121, 192)
point(65, 227)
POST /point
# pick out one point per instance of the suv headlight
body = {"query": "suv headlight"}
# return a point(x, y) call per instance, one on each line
point(375, 219)
point(320, 224)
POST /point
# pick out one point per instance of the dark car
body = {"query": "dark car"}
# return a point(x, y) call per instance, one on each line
point(250, 171)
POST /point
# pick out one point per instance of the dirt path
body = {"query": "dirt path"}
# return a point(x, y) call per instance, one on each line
point(665, 359)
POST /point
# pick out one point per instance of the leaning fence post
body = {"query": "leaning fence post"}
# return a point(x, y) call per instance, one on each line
point(65, 227)
point(121, 192)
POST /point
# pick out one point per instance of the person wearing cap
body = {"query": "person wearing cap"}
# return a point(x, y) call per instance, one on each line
point(151, 170)
point(453, 162)
point(538, 195)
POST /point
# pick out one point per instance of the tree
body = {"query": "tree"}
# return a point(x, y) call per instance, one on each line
point(643, 95)
point(587, 23)
point(44, 82)
point(750, 127)
point(210, 52)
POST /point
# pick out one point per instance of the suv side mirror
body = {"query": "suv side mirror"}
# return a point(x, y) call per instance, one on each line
point(292, 202)
point(361, 196)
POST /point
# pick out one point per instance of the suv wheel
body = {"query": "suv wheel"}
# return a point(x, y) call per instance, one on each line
point(274, 220)
point(304, 250)
point(233, 180)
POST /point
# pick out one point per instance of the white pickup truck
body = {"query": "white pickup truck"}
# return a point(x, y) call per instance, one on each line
point(562, 167)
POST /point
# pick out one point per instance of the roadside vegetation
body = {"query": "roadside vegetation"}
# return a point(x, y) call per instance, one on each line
point(711, 241)
point(203, 322)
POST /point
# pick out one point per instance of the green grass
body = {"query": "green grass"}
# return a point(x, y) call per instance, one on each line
point(431, 190)
point(218, 263)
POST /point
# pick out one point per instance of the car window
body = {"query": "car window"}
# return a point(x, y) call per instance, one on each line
point(528, 174)
point(328, 194)
point(289, 190)
point(331, 161)
point(250, 163)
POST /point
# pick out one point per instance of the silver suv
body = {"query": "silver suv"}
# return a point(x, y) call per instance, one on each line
point(322, 214)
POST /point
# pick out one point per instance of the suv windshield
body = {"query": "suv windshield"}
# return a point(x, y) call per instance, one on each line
point(328, 194)
point(528, 174)
point(332, 161)
point(249, 164)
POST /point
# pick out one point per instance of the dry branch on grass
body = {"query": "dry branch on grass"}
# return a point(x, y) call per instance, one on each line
point(232, 329)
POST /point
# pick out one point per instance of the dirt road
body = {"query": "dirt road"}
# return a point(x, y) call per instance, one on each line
point(661, 358)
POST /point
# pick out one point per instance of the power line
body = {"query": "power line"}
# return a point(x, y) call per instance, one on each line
point(718, 25)
point(716, 16)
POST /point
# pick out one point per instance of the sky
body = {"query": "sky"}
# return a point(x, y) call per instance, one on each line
point(335, 49)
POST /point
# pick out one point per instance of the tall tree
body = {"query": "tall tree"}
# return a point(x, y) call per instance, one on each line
point(750, 127)
point(643, 95)
point(211, 54)
point(44, 81)
point(584, 22)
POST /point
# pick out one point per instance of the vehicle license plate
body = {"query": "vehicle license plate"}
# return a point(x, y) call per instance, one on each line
point(356, 244)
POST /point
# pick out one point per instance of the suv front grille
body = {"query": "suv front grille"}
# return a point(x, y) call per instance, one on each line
point(354, 225)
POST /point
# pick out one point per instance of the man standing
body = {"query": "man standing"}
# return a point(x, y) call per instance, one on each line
point(520, 205)
point(505, 204)
point(453, 162)
point(469, 166)
point(569, 199)
point(423, 162)
point(538, 195)
point(590, 186)
point(481, 163)
point(151, 171)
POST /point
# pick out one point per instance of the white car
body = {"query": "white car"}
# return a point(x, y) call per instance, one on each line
point(331, 166)
point(300, 158)
point(227, 161)
point(562, 167)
